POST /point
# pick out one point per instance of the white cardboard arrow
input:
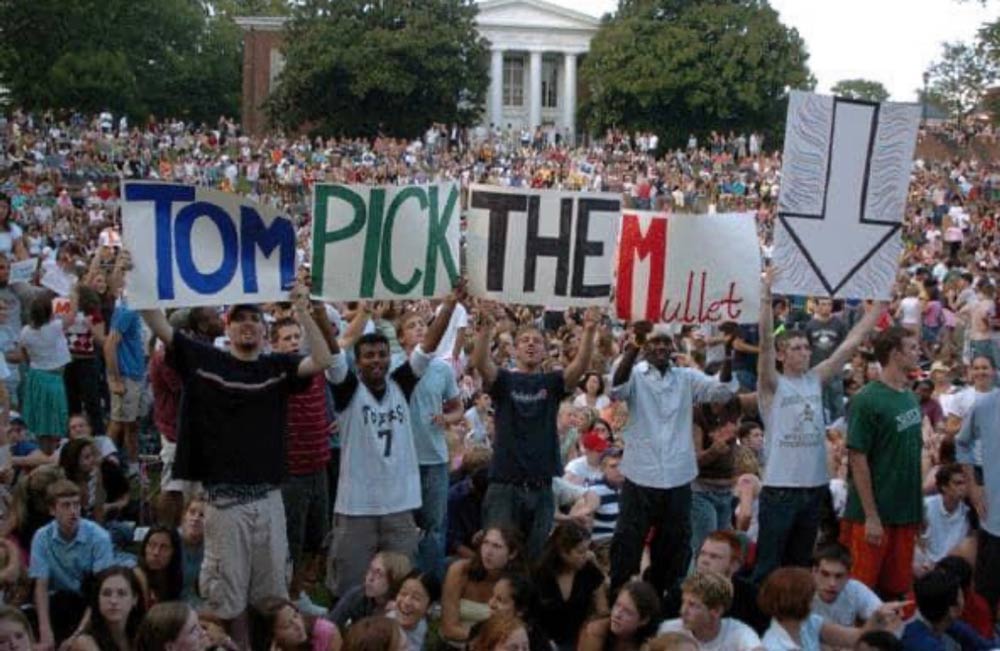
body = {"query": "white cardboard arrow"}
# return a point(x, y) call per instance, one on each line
point(845, 177)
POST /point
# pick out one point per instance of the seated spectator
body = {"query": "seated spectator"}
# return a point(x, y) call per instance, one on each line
point(705, 597)
point(946, 518)
point(469, 583)
point(281, 627)
point(515, 594)
point(585, 470)
point(939, 603)
point(608, 493)
point(79, 461)
point(383, 578)
point(375, 634)
point(192, 546)
point(570, 586)
point(786, 596)
point(878, 641)
point(722, 552)
point(160, 567)
point(15, 630)
point(976, 611)
point(170, 626)
point(632, 622)
point(673, 642)
point(592, 392)
point(412, 603)
point(839, 598)
point(64, 553)
point(501, 633)
point(116, 610)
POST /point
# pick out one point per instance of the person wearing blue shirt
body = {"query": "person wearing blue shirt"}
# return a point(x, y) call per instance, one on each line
point(126, 367)
point(63, 554)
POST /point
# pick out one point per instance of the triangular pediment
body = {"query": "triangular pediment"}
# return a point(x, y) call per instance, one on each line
point(533, 14)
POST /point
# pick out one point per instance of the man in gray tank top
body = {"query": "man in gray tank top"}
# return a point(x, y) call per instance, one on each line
point(791, 405)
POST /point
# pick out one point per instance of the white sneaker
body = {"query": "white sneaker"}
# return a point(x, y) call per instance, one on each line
point(307, 607)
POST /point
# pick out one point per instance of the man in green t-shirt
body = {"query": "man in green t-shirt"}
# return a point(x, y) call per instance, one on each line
point(884, 441)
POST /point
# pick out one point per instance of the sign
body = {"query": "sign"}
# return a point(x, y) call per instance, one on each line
point(392, 242)
point(542, 247)
point(688, 269)
point(844, 182)
point(195, 246)
point(23, 271)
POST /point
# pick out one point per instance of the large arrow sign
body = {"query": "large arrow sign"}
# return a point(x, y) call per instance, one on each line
point(845, 177)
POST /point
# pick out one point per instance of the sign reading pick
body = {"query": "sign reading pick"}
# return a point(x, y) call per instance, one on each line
point(391, 242)
point(195, 246)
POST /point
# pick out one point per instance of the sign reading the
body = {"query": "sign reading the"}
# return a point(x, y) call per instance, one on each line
point(542, 247)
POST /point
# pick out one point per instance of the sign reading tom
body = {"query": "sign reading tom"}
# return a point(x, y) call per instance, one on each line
point(844, 183)
point(541, 247)
point(195, 246)
point(688, 269)
point(385, 242)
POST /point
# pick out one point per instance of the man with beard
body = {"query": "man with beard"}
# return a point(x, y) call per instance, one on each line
point(231, 437)
point(379, 484)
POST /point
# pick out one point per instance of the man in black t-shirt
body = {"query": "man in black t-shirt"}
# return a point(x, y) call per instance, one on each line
point(526, 447)
point(825, 333)
point(231, 437)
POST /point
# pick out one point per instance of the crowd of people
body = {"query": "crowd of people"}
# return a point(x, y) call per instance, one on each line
point(470, 474)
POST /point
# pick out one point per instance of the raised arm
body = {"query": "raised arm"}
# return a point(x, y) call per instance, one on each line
point(633, 345)
point(319, 358)
point(481, 352)
point(440, 323)
point(157, 322)
point(580, 363)
point(356, 327)
point(833, 364)
point(767, 368)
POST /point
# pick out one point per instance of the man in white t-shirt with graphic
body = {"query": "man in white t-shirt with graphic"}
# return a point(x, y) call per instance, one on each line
point(839, 598)
point(705, 597)
point(796, 476)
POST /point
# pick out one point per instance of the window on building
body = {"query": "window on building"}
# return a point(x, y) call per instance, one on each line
point(513, 81)
point(550, 84)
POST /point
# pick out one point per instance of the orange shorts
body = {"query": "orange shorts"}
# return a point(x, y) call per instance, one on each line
point(887, 568)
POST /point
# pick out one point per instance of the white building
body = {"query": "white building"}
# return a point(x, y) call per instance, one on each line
point(535, 50)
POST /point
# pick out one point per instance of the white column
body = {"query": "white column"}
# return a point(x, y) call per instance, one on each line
point(535, 92)
point(569, 96)
point(496, 88)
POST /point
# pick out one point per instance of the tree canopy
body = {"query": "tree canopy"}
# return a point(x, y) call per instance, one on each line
point(679, 66)
point(960, 79)
point(139, 57)
point(357, 67)
point(872, 91)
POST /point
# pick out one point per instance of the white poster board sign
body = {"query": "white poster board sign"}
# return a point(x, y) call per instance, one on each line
point(196, 246)
point(22, 271)
point(385, 242)
point(844, 181)
point(688, 269)
point(542, 247)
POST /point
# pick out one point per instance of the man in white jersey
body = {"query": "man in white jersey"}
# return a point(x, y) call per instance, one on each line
point(379, 483)
point(791, 405)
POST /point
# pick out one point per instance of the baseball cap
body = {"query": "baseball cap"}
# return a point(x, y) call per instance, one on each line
point(242, 307)
point(594, 442)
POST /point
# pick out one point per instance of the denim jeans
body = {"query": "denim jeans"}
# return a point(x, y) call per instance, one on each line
point(530, 510)
point(789, 523)
point(668, 511)
point(433, 517)
point(711, 510)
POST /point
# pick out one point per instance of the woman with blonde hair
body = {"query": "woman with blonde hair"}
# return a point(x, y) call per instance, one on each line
point(382, 580)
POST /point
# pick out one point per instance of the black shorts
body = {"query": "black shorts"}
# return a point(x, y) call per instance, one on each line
point(988, 568)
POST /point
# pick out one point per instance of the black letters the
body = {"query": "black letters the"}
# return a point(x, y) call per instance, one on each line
point(500, 206)
point(584, 247)
point(557, 247)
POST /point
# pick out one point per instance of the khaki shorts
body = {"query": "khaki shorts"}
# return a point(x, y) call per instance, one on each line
point(125, 406)
point(246, 554)
point(168, 484)
point(356, 538)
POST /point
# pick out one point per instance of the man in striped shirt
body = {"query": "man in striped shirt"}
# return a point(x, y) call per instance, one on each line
point(607, 491)
point(305, 490)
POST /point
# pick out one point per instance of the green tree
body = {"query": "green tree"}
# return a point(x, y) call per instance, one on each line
point(679, 66)
point(168, 57)
point(962, 77)
point(393, 66)
point(872, 91)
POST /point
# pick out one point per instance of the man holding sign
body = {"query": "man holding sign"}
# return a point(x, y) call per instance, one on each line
point(231, 437)
point(526, 450)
